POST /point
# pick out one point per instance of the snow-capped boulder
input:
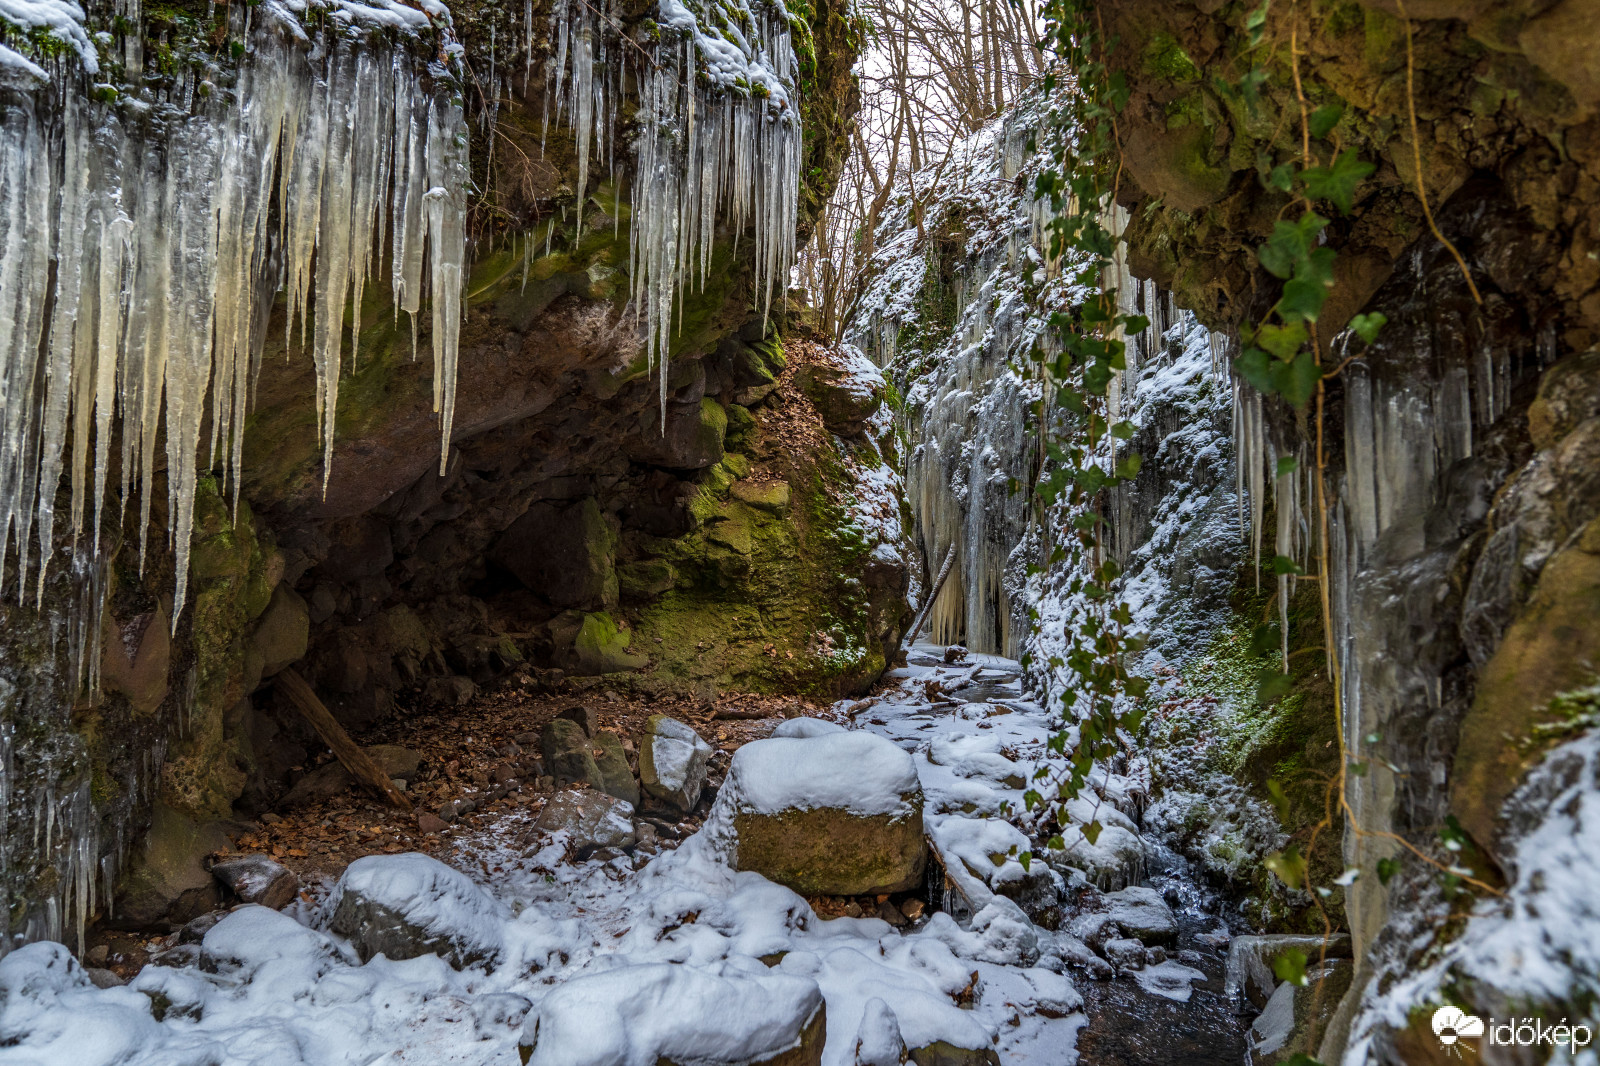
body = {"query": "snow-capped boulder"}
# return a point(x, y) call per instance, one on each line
point(838, 814)
point(806, 727)
point(878, 1041)
point(1142, 913)
point(257, 879)
point(590, 820)
point(672, 761)
point(644, 1015)
point(403, 906)
point(1125, 953)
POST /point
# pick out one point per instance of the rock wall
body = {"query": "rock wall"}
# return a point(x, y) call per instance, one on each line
point(1457, 596)
point(720, 532)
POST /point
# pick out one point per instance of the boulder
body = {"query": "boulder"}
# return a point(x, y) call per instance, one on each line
point(878, 1039)
point(257, 879)
point(616, 778)
point(1125, 953)
point(834, 815)
point(331, 779)
point(806, 727)
point(672, 761)
point(1142, 913)
point(944, 1053)
point(567, 554)
point(601, 648)
point(666, 1013)
point(693, 437)
point(845, 397)
point(449, 691)
point(769, 496)
point(584, 716)
point(280, 636)
point(591, 820)
point(568, 753)
point(404, 906)
point(167, 879)
point(250, 937)
point(1296, 1016)
point(1249, 972)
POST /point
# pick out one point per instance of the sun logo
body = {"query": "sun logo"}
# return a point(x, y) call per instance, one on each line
point(1452, 1023)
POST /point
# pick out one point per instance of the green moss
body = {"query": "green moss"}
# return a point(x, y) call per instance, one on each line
point(1165, 58)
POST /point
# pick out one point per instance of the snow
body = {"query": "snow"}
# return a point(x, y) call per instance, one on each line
point(853, 771)
point(62, 19)
point(1171, 979)
point(438, 900)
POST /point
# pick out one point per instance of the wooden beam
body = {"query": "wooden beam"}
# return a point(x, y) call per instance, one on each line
point(927, 606)
point(354, 758)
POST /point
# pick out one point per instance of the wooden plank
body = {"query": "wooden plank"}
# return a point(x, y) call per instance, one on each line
point(927, 606)
point(348, 752)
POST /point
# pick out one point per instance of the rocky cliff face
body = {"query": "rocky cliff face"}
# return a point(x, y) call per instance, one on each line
point(691, 516)
point(1463, 505)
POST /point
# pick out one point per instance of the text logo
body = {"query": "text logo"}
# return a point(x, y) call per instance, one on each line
point(1452, 1023)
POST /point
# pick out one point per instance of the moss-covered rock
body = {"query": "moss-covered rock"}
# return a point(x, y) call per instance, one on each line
point(602, 648)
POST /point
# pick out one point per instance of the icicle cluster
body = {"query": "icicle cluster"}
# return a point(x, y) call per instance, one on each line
point(142, 246)
point(718, 139)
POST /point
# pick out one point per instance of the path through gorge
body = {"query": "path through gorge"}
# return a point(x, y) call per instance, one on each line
point(799, 532)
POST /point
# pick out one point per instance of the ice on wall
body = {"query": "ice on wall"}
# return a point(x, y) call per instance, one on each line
point(143, 241)
point(718, 140)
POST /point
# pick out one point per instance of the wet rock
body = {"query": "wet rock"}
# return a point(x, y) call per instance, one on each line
point(332, 779)
point(134, 658)
point(672, 761)
point(1142, 913)
point(1125, 954)
point(1296, 1016)
point(280, 636)
point(616, 779)
point(403, 906)
point(257, 879)
point(833, 815)
point(167, 879)
point(590, 819)
point(1249, 973)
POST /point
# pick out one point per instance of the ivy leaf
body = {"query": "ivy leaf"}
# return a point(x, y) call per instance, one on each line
point(1287, 465)
point(1255, 23)
point(1055, 843)
point(1264, 639)
point(1291, 966)
point(1283, 341)
point(1337, 183)
point(1135, 324)
point(1280, 799)
point(1281, 177)
point(1128, 468)
point(1302, 300)
point(1289, 865)
point(1387, 868)
point(1256, 368)
point(1031, 799)
point(1290, 243)
point(1122, 430)
point(1367, 326)
point(1272, 686)
point(1282, 564)
point(1324, 118)
point(1026, 859)
point(1297, 380)
point(1356, 769)
point(1091, 832)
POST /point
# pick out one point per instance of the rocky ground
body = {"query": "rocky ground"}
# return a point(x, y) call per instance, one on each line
point(851, 878)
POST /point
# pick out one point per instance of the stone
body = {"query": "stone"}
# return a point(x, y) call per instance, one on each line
point(586, 717)
point(944, 1053)
point(658, 1013)
point(431, 823)
point(845, 401)
point(1249, 972)
point(1296, 1016)
point(257, 879)
point(601, 648)
point(1125, 953)
point(167, 880)
point(1142, 913)
point(645, 579)
point(331, 779)
point(568, 753)
point(693, 440)
point(591, 820)
point(405, 906)
point(672, 761)
point(135, 656)
point(1560, 42)
point(833, 815)
point(195, 931)
point(281, 634)
point(449, 691)
point(102, 978)
point(1569, 393)
point(770, 496)
point(616, 778)
point(567, 554)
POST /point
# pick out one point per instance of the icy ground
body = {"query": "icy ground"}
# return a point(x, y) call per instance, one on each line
point(278, 988)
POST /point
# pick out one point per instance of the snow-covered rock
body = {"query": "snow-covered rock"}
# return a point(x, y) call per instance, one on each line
point(1125, 953)
point(806, 727)
point(257, 879)
point(403, 906)
point(672, 761)
point(589, 820)
point(1142, 913)
point(878, 1040)
point(838, 814)
point(644, 1015)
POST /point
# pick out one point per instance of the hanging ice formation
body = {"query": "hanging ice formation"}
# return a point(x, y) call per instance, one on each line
point(718, 139)
point(143, 241)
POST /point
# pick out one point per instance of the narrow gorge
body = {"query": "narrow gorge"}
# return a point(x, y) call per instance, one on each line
point(716, 532)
